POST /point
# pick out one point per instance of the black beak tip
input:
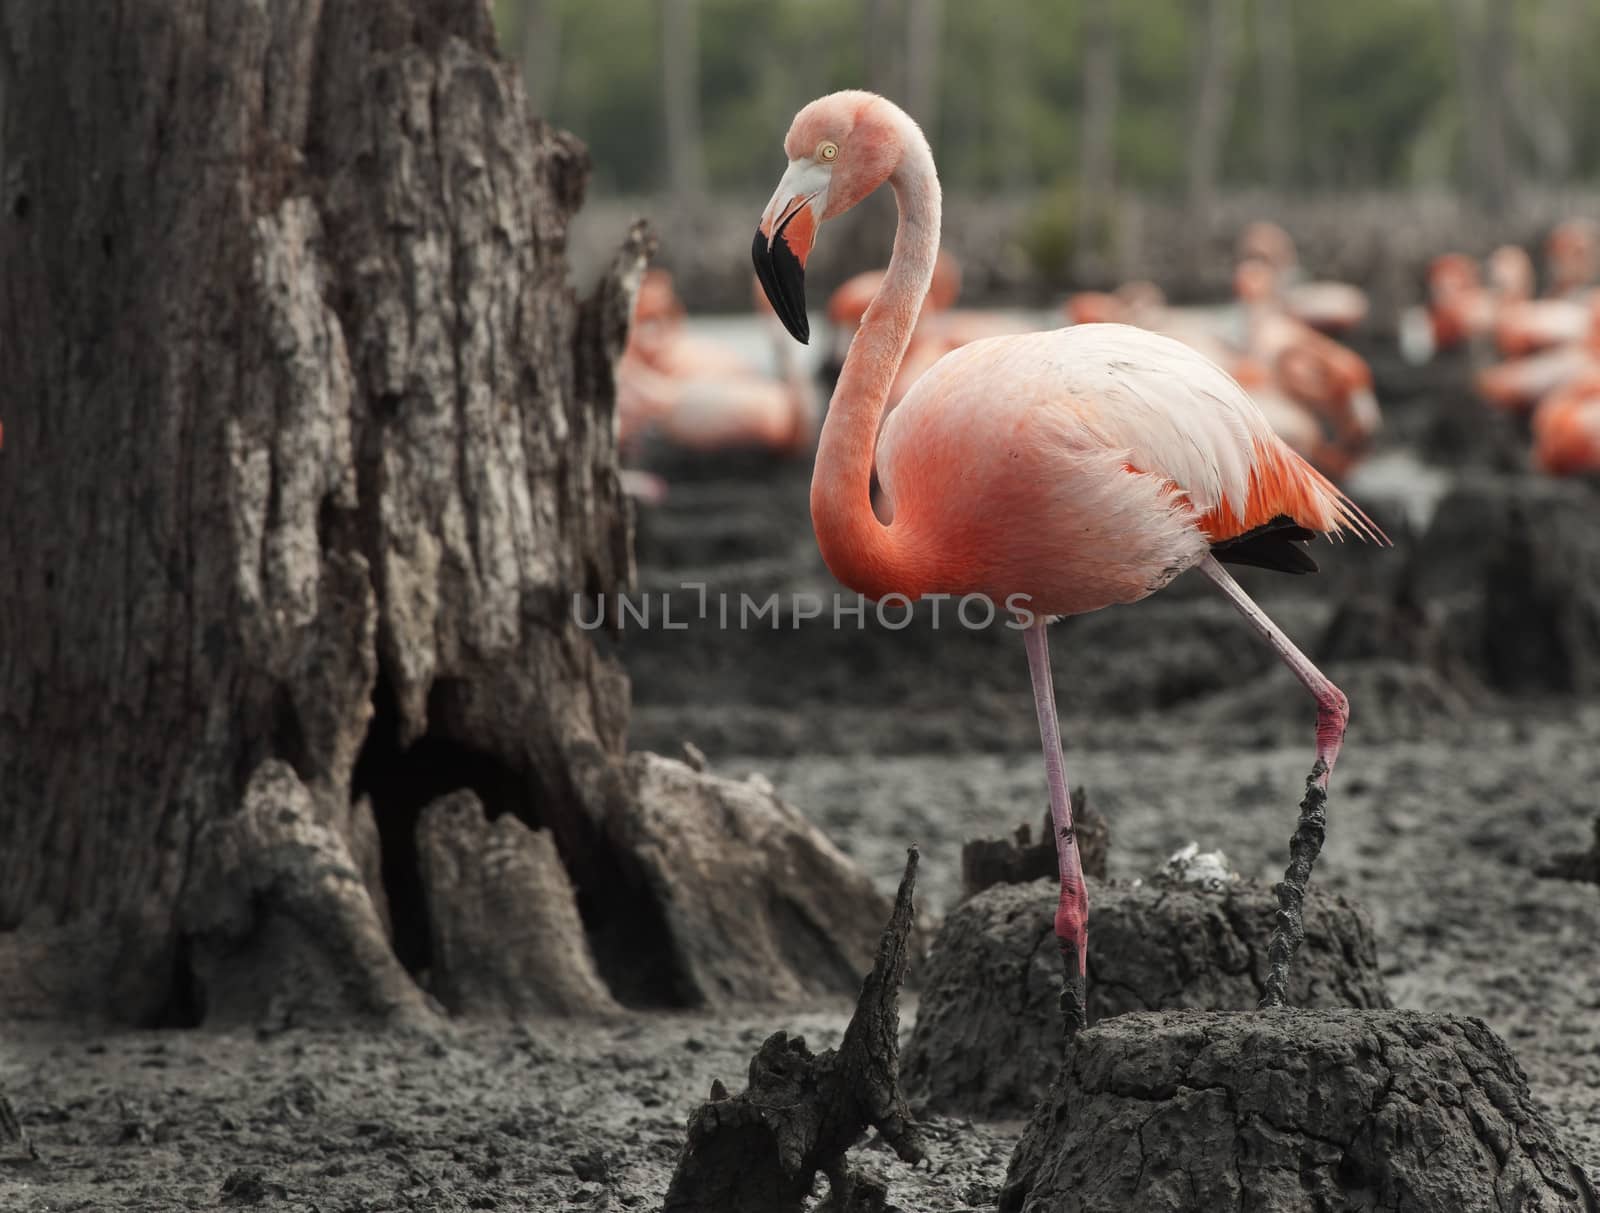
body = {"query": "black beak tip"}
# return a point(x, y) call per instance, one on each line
point(783, 279)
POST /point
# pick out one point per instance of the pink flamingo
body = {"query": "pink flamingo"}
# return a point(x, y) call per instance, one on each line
point(1566, 428)
point(1462, 308)
point(1294, 389)
point(1330, 379)
point(700, 395)
point(1562, 316)
point(1572, 256)
point(1057, 472)
point(1328, 307)
point(1518, 384)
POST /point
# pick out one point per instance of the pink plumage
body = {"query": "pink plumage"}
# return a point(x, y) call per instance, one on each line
point(1054, 472)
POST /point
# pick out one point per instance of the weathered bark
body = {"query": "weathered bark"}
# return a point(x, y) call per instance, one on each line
point(311, 420)
point(742, 898)
point(278, 922)
point(760, 1151)
point(1289, 1110)
point(505, 933)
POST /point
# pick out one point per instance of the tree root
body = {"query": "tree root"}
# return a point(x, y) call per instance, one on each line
point(760, 1151)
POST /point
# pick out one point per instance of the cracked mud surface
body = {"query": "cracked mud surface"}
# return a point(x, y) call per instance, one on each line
point(1384, 1110)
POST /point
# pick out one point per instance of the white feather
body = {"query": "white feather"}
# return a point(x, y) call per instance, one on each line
point(1173, 411)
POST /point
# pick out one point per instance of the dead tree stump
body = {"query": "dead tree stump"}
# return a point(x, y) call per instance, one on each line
point(754, 902)
point(507, 938)
point(310, 445)
point(1016, 860)
point(281, 928)
point(760, 1151)
point(1289, 1110)
point(987, 1039)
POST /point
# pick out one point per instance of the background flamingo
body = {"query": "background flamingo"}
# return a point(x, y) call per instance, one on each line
point(1566, 428)
point(1057, 472)
point(1519, 383)
point(1329, 307)
point(1462, 307)
point(699, 395)
point(1329, 379)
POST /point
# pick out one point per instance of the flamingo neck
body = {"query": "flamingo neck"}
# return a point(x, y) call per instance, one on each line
point(860, 551)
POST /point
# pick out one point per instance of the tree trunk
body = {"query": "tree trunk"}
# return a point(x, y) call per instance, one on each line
point(309, 446)
point(1097, 149)
point(1482, 36)
point(1010, 88)
point(880, 47)
point(1211, 94)
point(680, 96)
point(1541, 91)
point(539, 51)
point(1275, 36)
point(924, 22)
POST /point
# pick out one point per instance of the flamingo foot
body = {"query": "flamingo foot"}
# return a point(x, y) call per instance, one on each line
point(1288, 929)
point(1072, 934)
point(1074, 998)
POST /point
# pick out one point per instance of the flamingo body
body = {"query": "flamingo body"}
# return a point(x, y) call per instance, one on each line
point(1566, 428)
point(1131, 453)
point(1329, 307)
point(1532, 325)
point(1518, 385)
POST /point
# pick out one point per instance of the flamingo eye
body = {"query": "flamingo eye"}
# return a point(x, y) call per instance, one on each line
point(827, 151)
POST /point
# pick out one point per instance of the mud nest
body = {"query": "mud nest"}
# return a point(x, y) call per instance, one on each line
point(1290, 1111)
point(988, 1040)
point(1577, 865)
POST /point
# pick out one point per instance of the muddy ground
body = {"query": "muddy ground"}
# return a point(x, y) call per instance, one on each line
point(1448, 798)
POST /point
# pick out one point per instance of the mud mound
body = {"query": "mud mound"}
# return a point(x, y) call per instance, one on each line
point(1516, 562)
point(1288, 1111)
point(988, 1033)
point(1577, 865)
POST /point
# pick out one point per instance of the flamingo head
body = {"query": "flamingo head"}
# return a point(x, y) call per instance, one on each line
point(1268, 242)
point(1570, 252)
point(1450, 273)
point(1511, 272)
point(840, 147)
point(1254, 280)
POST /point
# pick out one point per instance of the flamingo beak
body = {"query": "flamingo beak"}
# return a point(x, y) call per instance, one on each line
point(783, 241)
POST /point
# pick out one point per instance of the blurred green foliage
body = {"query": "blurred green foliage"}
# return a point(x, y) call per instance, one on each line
point(1376, 86)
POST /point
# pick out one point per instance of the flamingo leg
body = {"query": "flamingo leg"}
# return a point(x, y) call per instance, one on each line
point(1072, 913)
point(1333, 713)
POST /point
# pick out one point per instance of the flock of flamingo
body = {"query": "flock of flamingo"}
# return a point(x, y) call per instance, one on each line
point(1549, 346)
point(1280, 341)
